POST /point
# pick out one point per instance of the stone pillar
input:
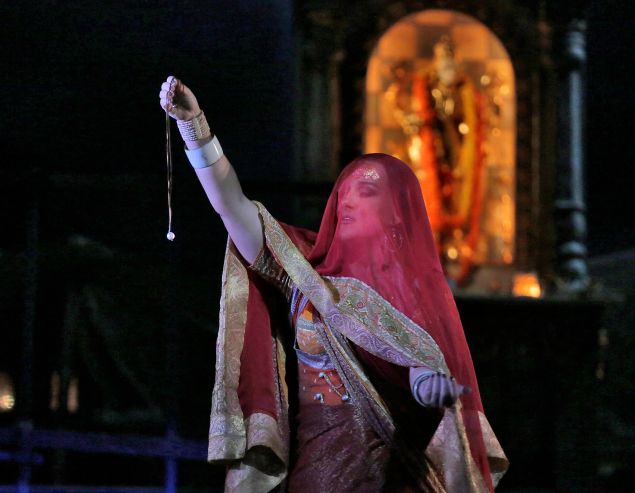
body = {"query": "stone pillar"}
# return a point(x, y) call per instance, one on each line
point(570, 208)
point(320, 84)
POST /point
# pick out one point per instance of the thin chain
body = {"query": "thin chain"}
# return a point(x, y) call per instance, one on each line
point(168, 160)
point(334, 388)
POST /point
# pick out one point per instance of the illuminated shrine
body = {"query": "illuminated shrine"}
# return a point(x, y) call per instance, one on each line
point(463, 94)
point(440, 96)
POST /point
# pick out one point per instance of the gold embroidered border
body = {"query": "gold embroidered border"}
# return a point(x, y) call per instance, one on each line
point(259, 444)
point(227, 439)
point(498, 462)
point(265, 445)
point(245, 478)
point(294, 263)
point(377, 315)
point(226, 416)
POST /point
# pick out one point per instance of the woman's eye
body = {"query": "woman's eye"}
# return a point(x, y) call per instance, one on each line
point(366, 189)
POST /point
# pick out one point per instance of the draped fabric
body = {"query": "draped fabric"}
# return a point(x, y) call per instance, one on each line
point(373, 275)
point(342, 453)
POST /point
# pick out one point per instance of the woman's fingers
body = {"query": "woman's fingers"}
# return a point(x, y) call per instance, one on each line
point(440, 391)
point(451, 393)
point(167, 103)
point(171, 85)
point(425, 391)
point(173, 81)
point(172, 98)
point(166, 96)
point(178, 100)
point(437, 382)
point(444, 391)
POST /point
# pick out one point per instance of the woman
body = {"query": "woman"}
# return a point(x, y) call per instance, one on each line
point(363, 393)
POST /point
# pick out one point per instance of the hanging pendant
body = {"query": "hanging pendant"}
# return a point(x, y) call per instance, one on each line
point(168, 159)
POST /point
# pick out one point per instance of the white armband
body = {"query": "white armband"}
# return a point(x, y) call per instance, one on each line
point(205, 156)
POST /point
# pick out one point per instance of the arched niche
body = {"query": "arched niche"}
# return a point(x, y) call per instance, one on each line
point(526, 40)
point(440, 95)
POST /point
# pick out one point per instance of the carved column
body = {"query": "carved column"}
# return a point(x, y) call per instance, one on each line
point(320, 83)
point(570, 208)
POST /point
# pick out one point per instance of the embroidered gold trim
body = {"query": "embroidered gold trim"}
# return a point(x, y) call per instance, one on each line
point(258, 445)
point(498, 462)
point(378, 317)
point(226, 417)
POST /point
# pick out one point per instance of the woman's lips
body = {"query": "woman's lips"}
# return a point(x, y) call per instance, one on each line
point(348, 219)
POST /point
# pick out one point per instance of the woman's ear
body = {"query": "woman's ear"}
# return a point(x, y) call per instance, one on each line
point(396, 237)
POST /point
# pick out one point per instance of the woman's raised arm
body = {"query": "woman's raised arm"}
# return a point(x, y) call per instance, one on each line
point(216, 174)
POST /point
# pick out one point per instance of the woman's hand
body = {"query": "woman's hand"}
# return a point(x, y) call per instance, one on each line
point(432, 389)
point(218, 177)
point(178, 100)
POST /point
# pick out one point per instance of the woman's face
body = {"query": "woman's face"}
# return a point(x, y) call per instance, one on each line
point(364, 206)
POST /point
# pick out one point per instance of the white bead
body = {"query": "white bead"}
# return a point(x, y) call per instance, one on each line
point(170, 236)
point(345, 397)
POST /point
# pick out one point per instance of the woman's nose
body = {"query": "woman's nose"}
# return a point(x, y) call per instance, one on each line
point(347, 202)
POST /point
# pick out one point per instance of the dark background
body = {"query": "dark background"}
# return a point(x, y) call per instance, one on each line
point(610, 155)
point(83, 139)
point(80, 83)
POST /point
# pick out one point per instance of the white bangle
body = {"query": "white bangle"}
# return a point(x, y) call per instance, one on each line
point(205, 156)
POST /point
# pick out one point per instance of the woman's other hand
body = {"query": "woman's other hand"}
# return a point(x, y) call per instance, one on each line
point(178, 100)
point(433, 389)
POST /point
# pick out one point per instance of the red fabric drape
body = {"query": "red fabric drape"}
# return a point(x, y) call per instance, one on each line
point(392, 249)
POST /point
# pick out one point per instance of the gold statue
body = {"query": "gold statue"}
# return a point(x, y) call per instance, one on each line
point(440, 112)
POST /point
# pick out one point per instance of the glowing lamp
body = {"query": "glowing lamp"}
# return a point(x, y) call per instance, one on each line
point(526, 284)
point(7, 396)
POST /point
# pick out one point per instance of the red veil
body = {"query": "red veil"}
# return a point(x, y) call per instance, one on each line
point(394, 252)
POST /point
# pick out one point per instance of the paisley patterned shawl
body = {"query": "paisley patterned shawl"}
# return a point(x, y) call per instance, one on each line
point(256, 443)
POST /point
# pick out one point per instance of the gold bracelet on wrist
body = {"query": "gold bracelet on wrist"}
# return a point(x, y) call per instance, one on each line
point(194, 129)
